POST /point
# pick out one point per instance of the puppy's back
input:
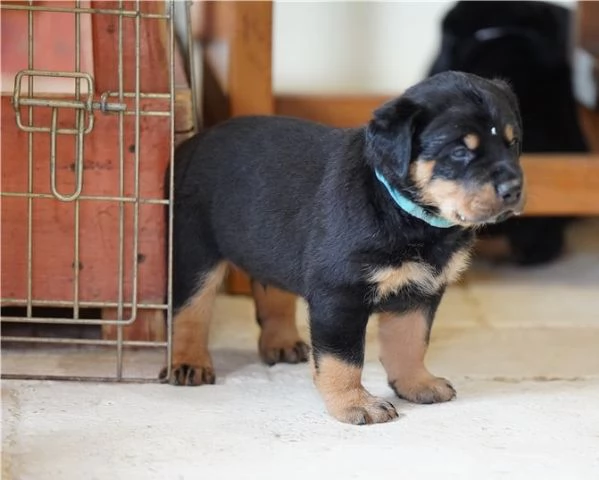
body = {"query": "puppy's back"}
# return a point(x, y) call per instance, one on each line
point(246, 147)
point(257, 178)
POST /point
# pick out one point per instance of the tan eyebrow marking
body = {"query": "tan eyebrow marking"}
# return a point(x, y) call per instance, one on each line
point(472, 141)
point(508, 133)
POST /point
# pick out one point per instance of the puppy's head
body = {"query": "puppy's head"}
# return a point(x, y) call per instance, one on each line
point(452, 144)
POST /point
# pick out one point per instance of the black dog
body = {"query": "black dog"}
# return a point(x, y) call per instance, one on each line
point(356, 221)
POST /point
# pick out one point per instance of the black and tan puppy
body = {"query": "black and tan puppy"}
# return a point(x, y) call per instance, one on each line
point(527, 43)
point(356, 221)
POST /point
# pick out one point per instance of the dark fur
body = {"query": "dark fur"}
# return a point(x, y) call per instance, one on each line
point(297, 205)
point(530, 48)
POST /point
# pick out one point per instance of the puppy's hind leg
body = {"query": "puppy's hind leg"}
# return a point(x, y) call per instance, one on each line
point(280, 341)
point(198, 272)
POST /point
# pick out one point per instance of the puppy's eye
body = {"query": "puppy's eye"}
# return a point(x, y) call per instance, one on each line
point(461, 154)
point(514, 142)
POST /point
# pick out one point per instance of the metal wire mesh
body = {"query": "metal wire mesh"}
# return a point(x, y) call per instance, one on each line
point(119, 105)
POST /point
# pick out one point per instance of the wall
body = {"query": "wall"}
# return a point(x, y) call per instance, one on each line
point(355, 47)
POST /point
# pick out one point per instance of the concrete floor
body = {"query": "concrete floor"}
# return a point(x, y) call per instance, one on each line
point(521, 347)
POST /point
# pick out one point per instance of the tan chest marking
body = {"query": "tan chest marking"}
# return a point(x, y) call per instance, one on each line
point(390, 280)
point(458, 264)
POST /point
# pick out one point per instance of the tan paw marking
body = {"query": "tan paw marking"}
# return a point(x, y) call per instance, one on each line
point(425, 389)
point(279, 350)
point(358, 407)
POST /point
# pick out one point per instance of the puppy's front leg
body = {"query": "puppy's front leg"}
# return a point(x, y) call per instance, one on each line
point(338, 329)
point(403, 341)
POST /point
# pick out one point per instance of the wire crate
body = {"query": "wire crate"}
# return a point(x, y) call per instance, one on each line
point(94, 97)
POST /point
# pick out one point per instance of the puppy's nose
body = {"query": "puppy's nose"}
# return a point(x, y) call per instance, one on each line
point(510, 191)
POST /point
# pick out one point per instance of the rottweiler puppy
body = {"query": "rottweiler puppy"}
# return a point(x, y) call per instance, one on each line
point(529, 45)
point(377, 219)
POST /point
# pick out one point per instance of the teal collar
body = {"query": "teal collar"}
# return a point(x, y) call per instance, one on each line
point(412, 208)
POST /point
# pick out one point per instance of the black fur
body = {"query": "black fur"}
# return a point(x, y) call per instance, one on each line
point(297, 205)
point(527, 43)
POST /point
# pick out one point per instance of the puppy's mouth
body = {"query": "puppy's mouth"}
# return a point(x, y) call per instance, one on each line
point(481, 213)
point(484, 219)
point(504, 216)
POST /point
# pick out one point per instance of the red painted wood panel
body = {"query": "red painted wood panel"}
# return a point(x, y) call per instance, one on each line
point(53, 45)
point(53, 220)
point(153, 48)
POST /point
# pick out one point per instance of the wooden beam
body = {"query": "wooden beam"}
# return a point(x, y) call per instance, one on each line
point(213, 20)
point(238, 60)
point(339, 111)
point(250, 62)
point(562, 184)
point(354, 110)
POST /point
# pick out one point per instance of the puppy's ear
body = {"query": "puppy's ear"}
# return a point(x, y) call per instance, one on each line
point(389, 137)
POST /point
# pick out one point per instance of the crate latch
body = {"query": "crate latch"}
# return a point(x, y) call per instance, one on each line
point(84, 118)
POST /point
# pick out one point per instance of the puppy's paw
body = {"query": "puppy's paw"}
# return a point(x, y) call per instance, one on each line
point(275, 350)
point(189, 375)
point(424, 389)
point(361, 408)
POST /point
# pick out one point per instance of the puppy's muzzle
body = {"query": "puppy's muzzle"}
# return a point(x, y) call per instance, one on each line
point(511, 195)
point(510, 191)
